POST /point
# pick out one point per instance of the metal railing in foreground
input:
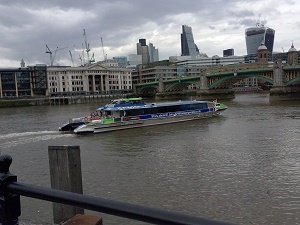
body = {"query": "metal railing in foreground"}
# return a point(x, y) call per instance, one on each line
point(10, 207)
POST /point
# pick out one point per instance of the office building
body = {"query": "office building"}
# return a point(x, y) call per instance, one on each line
point(133, 60)
point(188, 46)
point(142, 49)
point(255, 36)
point(149, 53)
point(153, 53)
point(23, 82)
point(228, 52)
point(121, 60)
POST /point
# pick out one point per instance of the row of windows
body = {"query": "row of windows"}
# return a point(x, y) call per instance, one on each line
point(109, 72)
point(13, 93)
point(89, 71)
point(117, 88)
point(74, 77)
point(76, 83)
point(80, 77)
point(52, 84)
point(115, 76)
point(77, 89)
point(165, 109)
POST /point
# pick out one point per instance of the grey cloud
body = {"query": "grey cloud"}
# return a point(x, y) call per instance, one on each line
point(25, 29)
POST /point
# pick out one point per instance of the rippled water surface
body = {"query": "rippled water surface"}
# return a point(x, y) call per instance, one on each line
point(242, 167)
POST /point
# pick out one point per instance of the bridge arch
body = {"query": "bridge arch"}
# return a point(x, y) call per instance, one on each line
point(147, 89)
point(233, 79)
point(293, 81)
point(180, 85)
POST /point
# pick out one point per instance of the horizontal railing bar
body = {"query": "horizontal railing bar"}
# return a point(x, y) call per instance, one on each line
point(117, 208)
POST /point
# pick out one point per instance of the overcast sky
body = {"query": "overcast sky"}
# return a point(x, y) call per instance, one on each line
point(27, 26)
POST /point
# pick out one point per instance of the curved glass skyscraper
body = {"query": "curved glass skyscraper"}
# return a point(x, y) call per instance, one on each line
point(257, 35)
point(188, 46)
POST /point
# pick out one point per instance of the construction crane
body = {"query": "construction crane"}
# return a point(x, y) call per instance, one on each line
point(80, 58)
point(50, 52)
point(52, 56)
point(87, 45)
point(92, 58)
point(71, 58)
point(104, 55)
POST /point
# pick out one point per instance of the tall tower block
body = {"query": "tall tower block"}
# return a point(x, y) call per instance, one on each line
point(188, 46)
point(257, 35)
point(142, 49)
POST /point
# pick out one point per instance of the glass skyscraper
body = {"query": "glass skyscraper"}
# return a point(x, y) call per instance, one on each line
point(255, 36)
point(188, 46)
point(153, 52)
point(149, 53)
point(142, 49)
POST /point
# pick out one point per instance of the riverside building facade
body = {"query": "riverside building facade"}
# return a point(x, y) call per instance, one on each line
point(41, 81)
point(23, 82)
point(94, 78)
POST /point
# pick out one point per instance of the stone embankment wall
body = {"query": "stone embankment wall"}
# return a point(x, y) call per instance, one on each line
point(58, 100)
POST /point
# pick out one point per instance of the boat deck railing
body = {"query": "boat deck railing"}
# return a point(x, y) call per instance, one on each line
point(11, 190)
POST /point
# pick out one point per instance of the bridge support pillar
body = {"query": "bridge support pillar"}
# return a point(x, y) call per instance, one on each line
point(280, 91)
point(211, 94)
point(203, 83)
point(284, 93)
point(161, 90)
point(134, 90)
point(161, 87)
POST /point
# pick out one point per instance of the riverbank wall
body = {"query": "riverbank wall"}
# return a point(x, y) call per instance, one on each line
point(59, 100)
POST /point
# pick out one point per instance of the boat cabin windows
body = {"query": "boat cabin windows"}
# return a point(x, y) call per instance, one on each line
point(183, 107)
point(153, 110)
point(135, 112)
point(165, 109)
point(194, 106)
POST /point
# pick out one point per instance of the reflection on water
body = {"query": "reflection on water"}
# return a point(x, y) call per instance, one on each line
point(242, 167)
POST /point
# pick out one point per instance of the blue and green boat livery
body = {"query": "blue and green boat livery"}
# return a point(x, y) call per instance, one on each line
point(128, 113)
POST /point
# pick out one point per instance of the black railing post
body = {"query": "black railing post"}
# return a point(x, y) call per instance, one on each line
point(10, 205)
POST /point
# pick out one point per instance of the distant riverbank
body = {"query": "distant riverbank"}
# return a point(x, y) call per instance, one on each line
point(60, 100)
point(23, 102)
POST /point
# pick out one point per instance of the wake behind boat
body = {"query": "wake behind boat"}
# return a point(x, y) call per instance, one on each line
point(123, 114)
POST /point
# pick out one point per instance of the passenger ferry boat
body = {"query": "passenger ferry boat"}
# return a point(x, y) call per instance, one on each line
point(128, 113)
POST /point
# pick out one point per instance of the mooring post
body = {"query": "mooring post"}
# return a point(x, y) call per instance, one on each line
point(65, 174)
point(10, 204)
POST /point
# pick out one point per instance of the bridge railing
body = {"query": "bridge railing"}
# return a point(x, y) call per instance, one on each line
point(10, 206)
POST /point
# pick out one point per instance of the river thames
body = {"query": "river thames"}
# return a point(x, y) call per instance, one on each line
point(242, 167)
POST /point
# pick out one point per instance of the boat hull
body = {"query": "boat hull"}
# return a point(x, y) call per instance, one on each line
point(70, 126)
point(123, 125)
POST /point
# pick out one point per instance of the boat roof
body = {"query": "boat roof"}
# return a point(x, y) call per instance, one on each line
point(125, 100)
point(117, 107)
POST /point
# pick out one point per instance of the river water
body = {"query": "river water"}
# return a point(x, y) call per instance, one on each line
point(242, 167)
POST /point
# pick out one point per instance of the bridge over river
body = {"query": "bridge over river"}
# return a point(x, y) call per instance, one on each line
point(214, 82)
